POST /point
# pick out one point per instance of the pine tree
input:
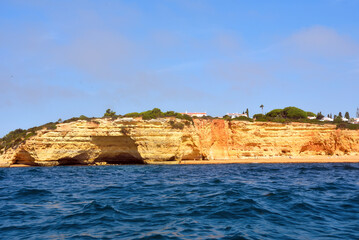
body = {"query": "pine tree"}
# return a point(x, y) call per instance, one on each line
point(319, 115)
point(247, 112)
point(357, 112)
point(340, 114)
point(347, 116)
point(109, 113)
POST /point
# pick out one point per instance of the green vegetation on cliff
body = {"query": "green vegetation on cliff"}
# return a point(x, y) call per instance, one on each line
point(286, 115)
point(157, 113)
point(15, 137)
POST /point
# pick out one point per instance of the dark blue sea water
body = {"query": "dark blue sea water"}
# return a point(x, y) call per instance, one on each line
point(235, 201)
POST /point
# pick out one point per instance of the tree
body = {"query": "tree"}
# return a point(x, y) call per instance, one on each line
point(357, 112)
point(347, 116)
point(83, 117)
point(259, 117)
point(247, 112)
point(340, 114)
point(294, 113)
point(152, 114)
point(275, 113)
point(311, 114)
point(261, 106)
point(337, 119)
point(109, 113)
point(320, 115)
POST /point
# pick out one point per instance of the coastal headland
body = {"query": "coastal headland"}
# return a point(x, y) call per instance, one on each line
point(104, 141)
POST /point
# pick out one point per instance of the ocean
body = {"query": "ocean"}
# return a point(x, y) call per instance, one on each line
point(230, 201)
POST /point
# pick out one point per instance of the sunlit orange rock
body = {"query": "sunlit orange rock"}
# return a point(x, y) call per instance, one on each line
point(121, 141)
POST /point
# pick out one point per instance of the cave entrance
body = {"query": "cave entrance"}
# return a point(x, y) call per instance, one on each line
point(24, 158)
point(121, 158)
point(80, 159)
point(117, 150)
point(70, 162)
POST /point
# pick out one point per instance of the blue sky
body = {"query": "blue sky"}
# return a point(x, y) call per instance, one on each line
point(60, 59)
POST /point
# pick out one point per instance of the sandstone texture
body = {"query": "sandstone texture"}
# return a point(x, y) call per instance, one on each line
point(136, 141)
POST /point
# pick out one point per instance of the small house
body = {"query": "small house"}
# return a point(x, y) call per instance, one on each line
point(195, 114)
point(234, 115)
point(327, 119)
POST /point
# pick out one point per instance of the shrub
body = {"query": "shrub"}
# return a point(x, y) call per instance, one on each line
point(275, 113)
point(187, 117)
point(311, 114)
point(260, 117)
point(279, 119)
point(151, 114)
point(205, 117)
point(83, 117)
point(50, 126)
point(176, 125)
point(157, 113)
point(344, 125)
point(338, 119)
point(74, 119)
point(170, 113)
point(294, 113)
point(109, 113)
point(243, 118)
point(29, 135)
point(13, 138)
point(133, 114)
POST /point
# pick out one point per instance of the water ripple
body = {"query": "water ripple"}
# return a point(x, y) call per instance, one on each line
point(235, 201)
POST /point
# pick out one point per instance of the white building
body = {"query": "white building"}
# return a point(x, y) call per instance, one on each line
point(195, 114)
point(356, 121)
point(327, 119)
point(234, 115)
point(345, 119)
point(311, 118)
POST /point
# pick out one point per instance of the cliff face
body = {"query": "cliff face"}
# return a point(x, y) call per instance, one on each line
point(137, 141)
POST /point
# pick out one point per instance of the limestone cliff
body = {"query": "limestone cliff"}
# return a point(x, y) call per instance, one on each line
point(127, 140)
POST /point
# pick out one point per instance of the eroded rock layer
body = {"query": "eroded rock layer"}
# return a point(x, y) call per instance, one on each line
point(135, 141)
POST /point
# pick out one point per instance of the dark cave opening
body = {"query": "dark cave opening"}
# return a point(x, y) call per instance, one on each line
point(122, 158)
point(70, 161)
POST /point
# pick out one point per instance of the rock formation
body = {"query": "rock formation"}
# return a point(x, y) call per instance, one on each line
point(127, 140)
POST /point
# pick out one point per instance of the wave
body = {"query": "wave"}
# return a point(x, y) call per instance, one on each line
point(181, 202)
point(32, 194)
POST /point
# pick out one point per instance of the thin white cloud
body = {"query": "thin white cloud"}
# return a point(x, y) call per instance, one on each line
point(322, 41)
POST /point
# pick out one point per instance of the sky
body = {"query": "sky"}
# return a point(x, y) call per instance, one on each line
point(62, 59)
